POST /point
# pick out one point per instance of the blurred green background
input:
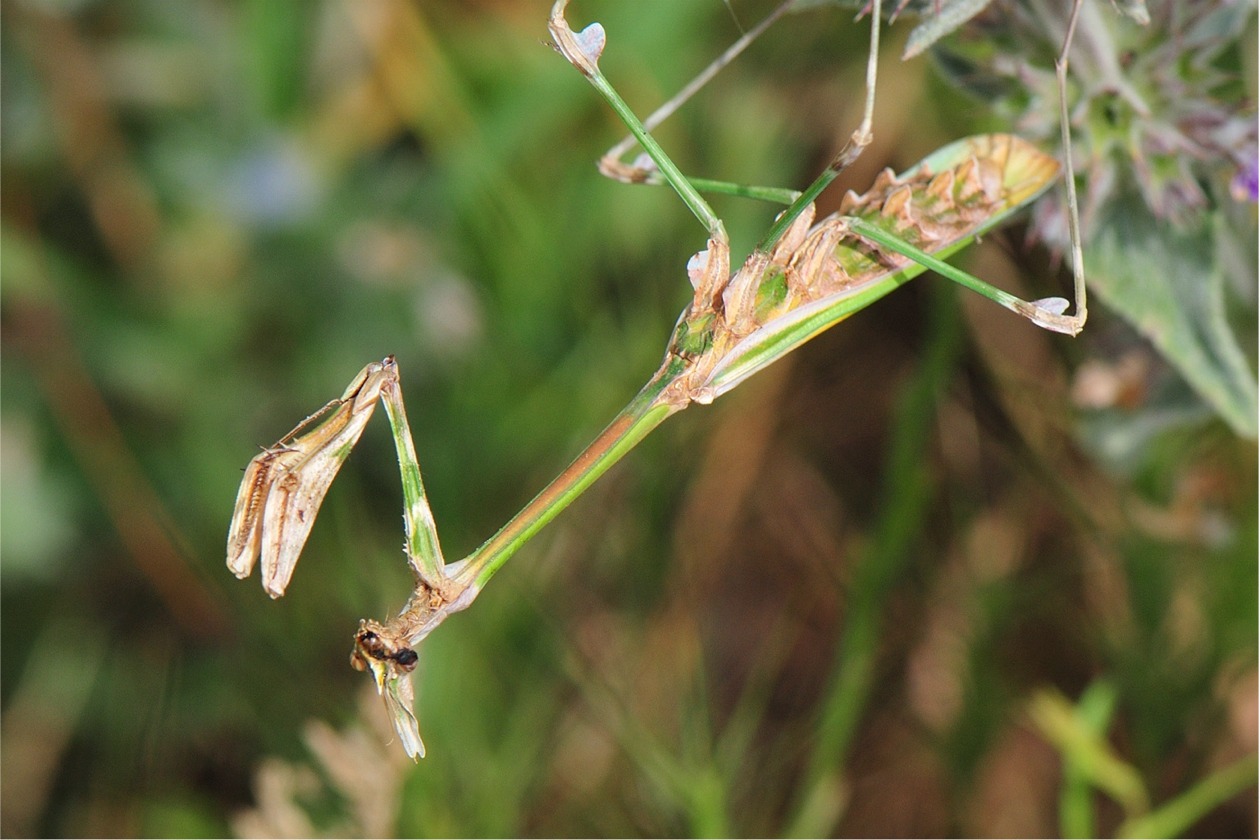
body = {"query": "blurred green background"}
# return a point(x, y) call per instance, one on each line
point(891, 586)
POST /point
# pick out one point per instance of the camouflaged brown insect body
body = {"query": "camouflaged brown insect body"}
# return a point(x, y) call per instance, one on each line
point(811, 278)
point(935, 210)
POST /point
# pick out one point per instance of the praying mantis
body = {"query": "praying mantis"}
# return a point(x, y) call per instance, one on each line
point(805, 276)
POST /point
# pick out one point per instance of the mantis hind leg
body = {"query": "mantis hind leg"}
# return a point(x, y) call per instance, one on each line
point(583, 49)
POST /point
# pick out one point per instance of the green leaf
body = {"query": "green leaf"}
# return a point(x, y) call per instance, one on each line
point(1170, 286)
point(936, 26)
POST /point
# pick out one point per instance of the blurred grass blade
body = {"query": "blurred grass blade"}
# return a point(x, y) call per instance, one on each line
point(1087, 750)
point(1076, 801)
point(1175, 817)
point(905, 491)
point(1169, 285)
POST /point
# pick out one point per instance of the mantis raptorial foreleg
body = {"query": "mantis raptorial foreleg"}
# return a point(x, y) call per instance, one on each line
point(805, 277)
point(285, 484)
point(280, 497)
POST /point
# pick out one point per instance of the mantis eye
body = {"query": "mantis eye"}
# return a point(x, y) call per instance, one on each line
point(368, 645)
point(406, 659)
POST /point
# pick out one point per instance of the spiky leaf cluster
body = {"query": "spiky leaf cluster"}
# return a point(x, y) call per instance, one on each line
point(1164, 140)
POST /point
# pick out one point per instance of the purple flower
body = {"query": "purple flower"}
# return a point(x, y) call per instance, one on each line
point(1244, 185)
point(1151, 110)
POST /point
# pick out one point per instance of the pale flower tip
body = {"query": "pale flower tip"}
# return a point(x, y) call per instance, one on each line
point(581, 49)
point(591, 41)
point(1047, 313)
point(644, 162)
point(696, 267)
point(1053, 305)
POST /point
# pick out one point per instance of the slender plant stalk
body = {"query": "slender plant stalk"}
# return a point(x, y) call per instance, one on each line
point(634, 422)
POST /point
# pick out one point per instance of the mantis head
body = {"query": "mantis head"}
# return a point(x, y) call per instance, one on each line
point(391, 662)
